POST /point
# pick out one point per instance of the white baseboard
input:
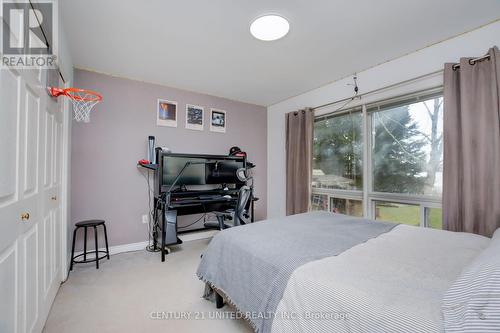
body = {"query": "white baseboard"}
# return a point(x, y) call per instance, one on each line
point(117, 248)
point(142, 245)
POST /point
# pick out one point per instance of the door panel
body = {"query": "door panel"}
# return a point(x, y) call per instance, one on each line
point(57, 239)
point(31, 128)
point(48, 145)
point(58, 153)
point(9, 97)
point(47, 253)
point(53, 246)
point(31, 279)
point(8, 290)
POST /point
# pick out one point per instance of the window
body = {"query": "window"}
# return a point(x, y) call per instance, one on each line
point(338, 152)
point(346, 206)
point(382, 161)
point(396, 212)
point(434, 218)
point(319, 202)
point(407, 153)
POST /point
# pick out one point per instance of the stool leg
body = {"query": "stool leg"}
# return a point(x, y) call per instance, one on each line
point(106, 239)
point(85, 244)
point(96, 248)
point(73, 250)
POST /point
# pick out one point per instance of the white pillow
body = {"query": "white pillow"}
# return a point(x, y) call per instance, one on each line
point(472, 304)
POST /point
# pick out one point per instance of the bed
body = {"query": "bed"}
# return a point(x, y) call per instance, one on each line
point(325, 272)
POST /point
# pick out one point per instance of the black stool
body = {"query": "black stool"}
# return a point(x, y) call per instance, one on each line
point(85, 225)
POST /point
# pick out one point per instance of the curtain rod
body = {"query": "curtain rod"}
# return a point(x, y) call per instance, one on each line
point(379, 89)
point(471, 61)
point(455, 66)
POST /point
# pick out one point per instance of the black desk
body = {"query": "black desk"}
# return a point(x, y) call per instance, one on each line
point(187, 203)
point(173, 198)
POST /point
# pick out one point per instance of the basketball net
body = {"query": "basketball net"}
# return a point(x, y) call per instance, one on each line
point(83, 101)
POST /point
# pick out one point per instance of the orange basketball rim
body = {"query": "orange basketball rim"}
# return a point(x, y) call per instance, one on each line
point(83, 100)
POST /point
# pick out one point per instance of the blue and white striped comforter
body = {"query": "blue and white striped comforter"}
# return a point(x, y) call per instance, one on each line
point(251, 264)
point(392, 283)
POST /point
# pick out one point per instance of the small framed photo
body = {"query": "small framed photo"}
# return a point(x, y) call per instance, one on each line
point(167, 113)
point(218, 120)
point(194, 117)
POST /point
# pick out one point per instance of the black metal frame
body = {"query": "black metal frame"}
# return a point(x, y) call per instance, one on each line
point(163, 192)
point(219, 301)
point(96, 250)
point(89, 260)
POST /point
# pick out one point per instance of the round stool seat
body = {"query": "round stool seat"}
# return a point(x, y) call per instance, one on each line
point(89, 223)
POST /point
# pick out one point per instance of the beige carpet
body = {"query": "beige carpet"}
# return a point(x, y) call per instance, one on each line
point(122, 295)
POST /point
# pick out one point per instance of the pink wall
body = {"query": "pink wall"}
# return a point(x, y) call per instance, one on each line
point(105, 182)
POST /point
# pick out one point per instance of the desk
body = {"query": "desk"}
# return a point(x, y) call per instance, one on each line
point(187, 203)
point(178, 179)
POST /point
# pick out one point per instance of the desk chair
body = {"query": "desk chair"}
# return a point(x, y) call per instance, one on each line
point(238, 214)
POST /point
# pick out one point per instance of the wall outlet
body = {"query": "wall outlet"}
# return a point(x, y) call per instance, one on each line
point(145, 219)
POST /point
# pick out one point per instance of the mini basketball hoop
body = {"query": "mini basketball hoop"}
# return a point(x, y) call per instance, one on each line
point(83, 101)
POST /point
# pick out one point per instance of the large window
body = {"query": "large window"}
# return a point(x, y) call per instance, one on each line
point(407, 153)
point(382, 161)
point(338, 152)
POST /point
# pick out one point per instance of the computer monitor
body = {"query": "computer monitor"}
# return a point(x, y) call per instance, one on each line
point(223, 172)
point(194, 174)
point(204, 173)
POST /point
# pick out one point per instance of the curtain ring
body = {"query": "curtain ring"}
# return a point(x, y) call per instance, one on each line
point(472, 62)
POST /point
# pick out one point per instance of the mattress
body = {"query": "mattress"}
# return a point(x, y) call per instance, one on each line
point(392, 283)
point(251, 264)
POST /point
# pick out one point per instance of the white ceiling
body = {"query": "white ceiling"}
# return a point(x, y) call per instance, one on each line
point(205, 45)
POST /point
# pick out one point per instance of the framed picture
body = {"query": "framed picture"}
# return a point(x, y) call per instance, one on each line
point(218, 120)
point(167, 113)
point(194, 117)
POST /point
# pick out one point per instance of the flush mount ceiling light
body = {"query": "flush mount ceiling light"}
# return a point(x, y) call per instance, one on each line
point(269, 27)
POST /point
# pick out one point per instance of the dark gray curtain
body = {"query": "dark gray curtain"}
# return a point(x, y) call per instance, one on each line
point(299, 139)
point(471, 193)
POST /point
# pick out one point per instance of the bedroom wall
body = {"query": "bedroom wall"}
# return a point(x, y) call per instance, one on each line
point(423, 62)
point(107, 184)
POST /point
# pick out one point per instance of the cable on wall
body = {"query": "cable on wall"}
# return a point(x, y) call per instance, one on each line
point(348, 100)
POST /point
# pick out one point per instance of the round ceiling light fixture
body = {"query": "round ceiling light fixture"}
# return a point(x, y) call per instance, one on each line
point(269, 27)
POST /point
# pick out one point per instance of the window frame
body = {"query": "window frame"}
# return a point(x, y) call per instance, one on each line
point(367, 195)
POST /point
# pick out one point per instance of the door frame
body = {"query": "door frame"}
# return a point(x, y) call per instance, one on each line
point(65, 184)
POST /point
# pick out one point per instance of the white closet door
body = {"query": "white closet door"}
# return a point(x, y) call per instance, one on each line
point(31, 130)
